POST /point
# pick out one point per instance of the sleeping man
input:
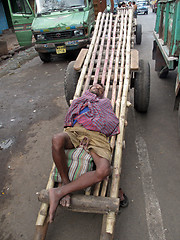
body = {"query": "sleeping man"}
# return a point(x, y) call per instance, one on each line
point(90, 118)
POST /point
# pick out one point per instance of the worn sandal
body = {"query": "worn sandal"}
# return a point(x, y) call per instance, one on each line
point(125, 202)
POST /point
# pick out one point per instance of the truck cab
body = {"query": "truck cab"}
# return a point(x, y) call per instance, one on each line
point(58, 26)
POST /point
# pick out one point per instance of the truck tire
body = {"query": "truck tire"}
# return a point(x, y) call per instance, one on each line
point(163, 73)
point(70, 82)
point(138, 34)
point(142, 87)
point(45, 57)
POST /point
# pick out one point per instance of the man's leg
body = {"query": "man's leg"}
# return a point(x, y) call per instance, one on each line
point(60, 142)
point(84, 181)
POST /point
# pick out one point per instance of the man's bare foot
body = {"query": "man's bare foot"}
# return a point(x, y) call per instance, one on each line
point(54, 197)
point(65, 201)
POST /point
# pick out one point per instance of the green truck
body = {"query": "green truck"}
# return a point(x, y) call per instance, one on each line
point(58, 26)
point(166, 50)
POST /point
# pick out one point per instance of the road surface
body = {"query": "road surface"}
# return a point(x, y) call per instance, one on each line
point(32, 109)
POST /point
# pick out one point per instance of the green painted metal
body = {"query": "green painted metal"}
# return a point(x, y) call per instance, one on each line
point(59, 23)
point(22, 19)
point(66, 19)
point(52, 22)
point(157, 18)
point(179, 68)
point(166, 23)
point(167, 32)
point(175, 43)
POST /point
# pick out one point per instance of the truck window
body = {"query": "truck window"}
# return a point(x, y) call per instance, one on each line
point(44, 6)
point(20, 6)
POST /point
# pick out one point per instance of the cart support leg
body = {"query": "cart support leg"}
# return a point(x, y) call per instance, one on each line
point(104, 235)
point(40, 232)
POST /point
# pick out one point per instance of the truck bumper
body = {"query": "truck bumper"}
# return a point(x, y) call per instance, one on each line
point(70, 45)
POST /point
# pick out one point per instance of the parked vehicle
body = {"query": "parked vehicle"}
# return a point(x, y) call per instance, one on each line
point(142, 8)
point(58, 26)
point(166, 50)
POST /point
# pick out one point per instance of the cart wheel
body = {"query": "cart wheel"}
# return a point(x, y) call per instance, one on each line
point(138, 34)
point(70, 82)
point(163, 72)
point(142, 87)
point(45, 57)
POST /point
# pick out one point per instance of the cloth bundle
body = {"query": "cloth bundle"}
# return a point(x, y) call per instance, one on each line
point(79, 162)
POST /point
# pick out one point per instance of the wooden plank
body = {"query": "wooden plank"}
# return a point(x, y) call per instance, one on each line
point(80, 59)
point(134, 59)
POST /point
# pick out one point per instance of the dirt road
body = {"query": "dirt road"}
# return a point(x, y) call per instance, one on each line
point(32, 110)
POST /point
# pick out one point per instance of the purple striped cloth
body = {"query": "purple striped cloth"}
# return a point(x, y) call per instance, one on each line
point(100, 116)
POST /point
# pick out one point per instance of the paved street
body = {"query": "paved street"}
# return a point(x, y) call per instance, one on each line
point(32, 109)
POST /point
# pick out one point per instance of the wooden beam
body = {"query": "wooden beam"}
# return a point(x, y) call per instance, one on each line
point(134, 59)
point(84, 203)
point(80, 59)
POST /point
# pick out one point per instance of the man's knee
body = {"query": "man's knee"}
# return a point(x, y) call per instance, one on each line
point(58, 141)
point(103, 171)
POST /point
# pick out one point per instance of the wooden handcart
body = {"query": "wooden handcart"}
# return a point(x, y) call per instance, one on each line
point(110, 60)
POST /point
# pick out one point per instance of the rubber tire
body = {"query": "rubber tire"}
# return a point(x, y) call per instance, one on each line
point(142, 87)
point(138, 34)
point(45, 57)
point(163, 74)
point(70, 82)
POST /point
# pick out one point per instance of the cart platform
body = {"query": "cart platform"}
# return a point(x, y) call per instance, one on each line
point(109, 60)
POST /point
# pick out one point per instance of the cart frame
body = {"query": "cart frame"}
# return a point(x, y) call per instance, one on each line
point(110, 60)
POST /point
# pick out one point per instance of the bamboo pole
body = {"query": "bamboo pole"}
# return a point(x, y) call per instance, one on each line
point(105, 182)
point(44, 207)
point(118, 101)
point(111, 58)
point(107, 50)
point(118, 152)
point(119, 38)
point(40, 233)
point(101, 51)
point(86, 85)
point(88, 56)
point(96, 189)
point(113, 139)
point(117, 64)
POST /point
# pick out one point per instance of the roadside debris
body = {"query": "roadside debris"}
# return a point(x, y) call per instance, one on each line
point(6, 143)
